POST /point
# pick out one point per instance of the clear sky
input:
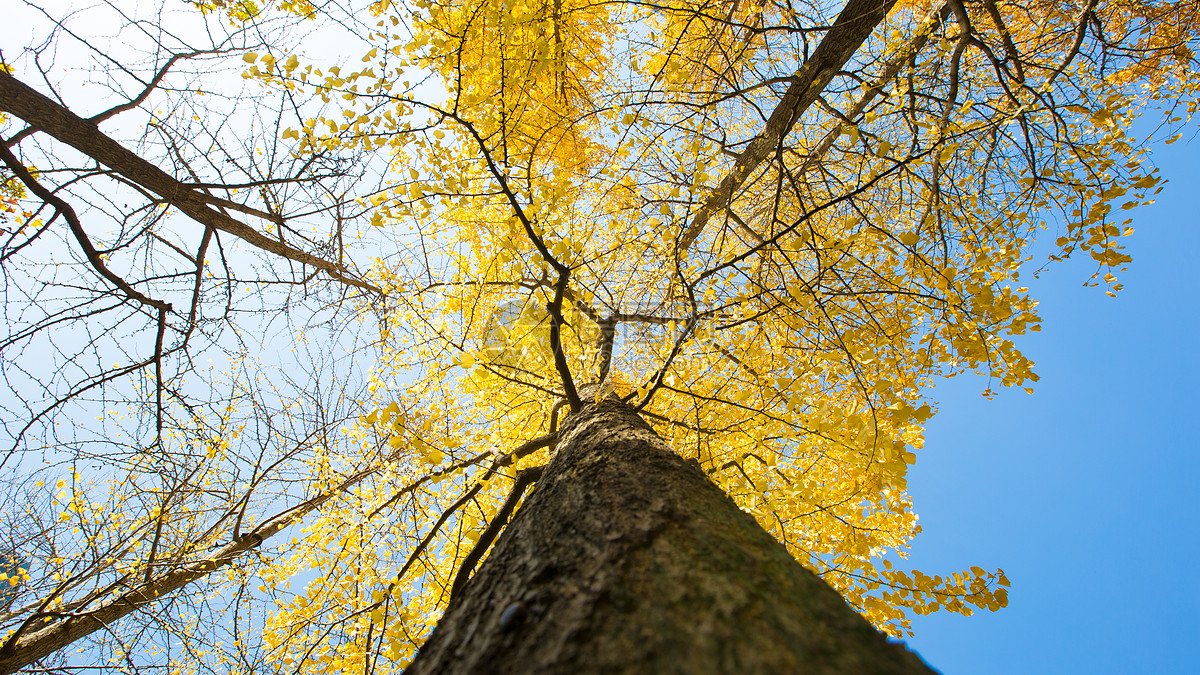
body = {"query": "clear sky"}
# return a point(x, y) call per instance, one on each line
point(1084, 492)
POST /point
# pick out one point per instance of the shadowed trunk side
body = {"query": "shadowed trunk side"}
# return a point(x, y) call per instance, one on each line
point(626, 558)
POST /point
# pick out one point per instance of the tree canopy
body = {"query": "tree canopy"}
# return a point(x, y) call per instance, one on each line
point(768, 225)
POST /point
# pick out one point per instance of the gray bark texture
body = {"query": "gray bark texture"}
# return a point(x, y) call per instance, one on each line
point(627, 559)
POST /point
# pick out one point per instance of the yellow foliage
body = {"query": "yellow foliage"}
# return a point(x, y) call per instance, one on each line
point(583, 195)
point(790, 347)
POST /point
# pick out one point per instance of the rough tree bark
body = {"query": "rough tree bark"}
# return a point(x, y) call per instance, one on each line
point(627, 559)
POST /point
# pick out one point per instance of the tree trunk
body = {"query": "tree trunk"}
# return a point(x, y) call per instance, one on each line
point(627, 559)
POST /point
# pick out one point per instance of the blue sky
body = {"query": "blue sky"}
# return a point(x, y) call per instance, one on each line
point(1085, 491)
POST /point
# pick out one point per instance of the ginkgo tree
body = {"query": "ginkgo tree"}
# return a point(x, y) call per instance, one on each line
point(627, 252)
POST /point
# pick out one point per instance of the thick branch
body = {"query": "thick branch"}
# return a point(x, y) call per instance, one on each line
point(21, 650)
point(39, 111)
point(856, 22)
point(524, 478)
